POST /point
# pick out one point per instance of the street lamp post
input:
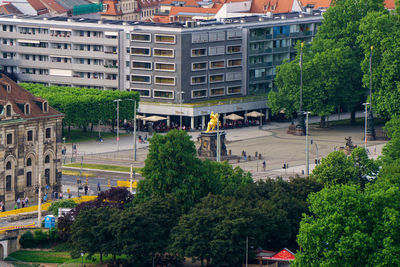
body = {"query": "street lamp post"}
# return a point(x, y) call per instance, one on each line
point(247, 249)
point(117, 100)
point(300, 127)
point(307, 146)
point(366, 125)
point(218, 142)
point(40, 202)
point(180, 104)
point(371, 125)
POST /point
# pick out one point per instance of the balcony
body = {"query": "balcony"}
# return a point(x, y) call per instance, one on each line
point(281, 49)
point(263, 78)
point(278, 36)
point(261, 37)
point(260, 51)
point(262, 64)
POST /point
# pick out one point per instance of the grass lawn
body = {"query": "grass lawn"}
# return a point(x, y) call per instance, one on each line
point(359, 122)
point(54, 257)
point(78, 135)
point(104, 167)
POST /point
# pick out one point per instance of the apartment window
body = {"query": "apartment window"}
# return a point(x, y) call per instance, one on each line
point(140, 51)
point(29, 135)
point(199, 66)
point(164, 80)
point(217, 91)
point(164, 66)
point(8, 110)
point(199, 52)
point(217, 50)
point(233, 76)
point(234, 62)
point(217, 64)
point(216, 36)
point(48, 132)
point(158, 52)
point(232, 49)
point(29, 162)
point(141, 65)
point(141, 37)
point(199, 93)
point(142, 92)
point(8, 183)
point(29, 179)
point(215, 78)
point(198, 80)
point(165, 39)
point(141, 79)
point(234, 34)
point(199, 37)
point(9, 139)
point(163, 94)
point(234, 90)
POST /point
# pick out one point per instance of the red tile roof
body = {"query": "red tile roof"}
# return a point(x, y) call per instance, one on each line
point(175, 10)
point(283, 255)
point(148, 3)
point(18, 97)
point(187, 2)
point(9, 9)
point(274, 6)
point(390, 4)
point(111, 8)
point(160, 19)
point(316, 3)
point(38, 6)
point(54, 6)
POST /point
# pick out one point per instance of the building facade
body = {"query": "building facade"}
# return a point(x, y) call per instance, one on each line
point(180, 69)
point(30, 140)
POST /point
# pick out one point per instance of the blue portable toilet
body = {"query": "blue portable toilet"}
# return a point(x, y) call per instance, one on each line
point(49, 221)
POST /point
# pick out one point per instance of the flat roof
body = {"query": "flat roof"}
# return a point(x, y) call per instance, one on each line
point(198, 24)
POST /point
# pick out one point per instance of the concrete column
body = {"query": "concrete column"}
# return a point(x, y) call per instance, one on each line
point(168, 120)
point(192, 123)
point(203, 122)
point(223, 119)
point(261, 118)
point(266, 114)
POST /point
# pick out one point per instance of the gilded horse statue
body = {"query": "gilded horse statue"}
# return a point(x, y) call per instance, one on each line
point(214, 119)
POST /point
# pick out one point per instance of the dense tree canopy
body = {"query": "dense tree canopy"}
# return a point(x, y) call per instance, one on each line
point(83, 106)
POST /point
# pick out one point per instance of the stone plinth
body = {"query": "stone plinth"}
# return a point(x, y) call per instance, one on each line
point(208, 144)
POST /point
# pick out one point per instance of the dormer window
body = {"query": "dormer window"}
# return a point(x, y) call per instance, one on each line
point(45, 107)
point(8, 111)
point(27, 109)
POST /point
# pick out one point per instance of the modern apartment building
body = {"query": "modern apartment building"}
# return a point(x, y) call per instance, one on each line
point(187, 69)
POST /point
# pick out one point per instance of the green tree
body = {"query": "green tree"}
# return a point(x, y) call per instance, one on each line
point(92, 233)
point(367, 169)
point(391, 151)
point(64, 203)
point(334, 169)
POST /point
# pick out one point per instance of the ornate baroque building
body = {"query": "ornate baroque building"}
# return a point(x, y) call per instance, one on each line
point(30, 140)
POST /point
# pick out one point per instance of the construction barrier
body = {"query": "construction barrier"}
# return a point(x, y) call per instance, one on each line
point(45, 206)
point(127, 184)
point(7, 228)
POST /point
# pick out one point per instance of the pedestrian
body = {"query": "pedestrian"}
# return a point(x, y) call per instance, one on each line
point(69, 193)
point(23, 203)
point(264, 165)
point(98, 187)
point(3, 208)
point(65, 150)
point(86, 189)
point(45, 198)
point(19, 203)
point(61, 195)
point(26, 201)
point(15, 206)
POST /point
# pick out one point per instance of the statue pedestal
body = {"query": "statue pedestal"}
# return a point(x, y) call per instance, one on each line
point(208, 144)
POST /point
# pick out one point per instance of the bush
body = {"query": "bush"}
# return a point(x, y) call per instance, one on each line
point(27, 240)
point(40, 237)
point(64, 203)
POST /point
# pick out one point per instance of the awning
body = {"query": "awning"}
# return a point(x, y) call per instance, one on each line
point(283, 255)
point(234, 117)
point(60, 29)
point(140, 117)
point(154, 118)
point(254, 114)
point(29, 41)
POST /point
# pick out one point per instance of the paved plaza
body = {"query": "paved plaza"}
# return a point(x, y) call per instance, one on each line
point(271, 140)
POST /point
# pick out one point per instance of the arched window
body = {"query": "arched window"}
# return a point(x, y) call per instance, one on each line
point(29, 179)
point(47, 159)
point(8, 165)
point(29, 162)
point(47, 176)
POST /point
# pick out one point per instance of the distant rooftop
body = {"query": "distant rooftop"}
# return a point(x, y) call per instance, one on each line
point(197, 24)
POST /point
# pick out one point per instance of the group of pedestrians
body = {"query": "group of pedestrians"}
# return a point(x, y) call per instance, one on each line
point(20, 203)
